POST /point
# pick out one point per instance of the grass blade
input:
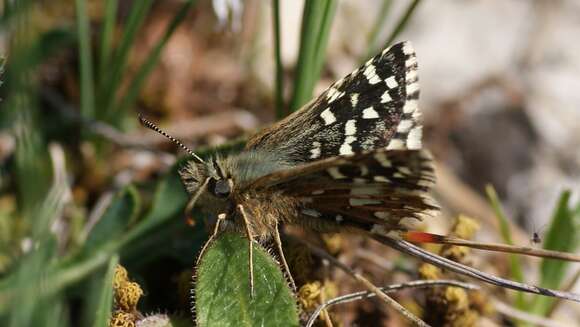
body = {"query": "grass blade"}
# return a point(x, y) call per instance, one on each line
point(380, 21)
point(109, 21)
point(279, 89)
point(111, 82)
point(516, 269)
point(146, 68)
point(322, 40)
point(316, 21)
point(402, 23)
point(86, 60)
point(106, 297)
point(562, 235)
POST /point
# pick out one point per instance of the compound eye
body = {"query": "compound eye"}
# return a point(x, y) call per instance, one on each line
point(220, 188)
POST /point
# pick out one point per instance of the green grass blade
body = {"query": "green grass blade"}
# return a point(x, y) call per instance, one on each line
point(109, 21)
point(146, 68)
point(380, 21)
point(279, 88)
point(322, 40)
point(516, 269)
point(112, 81)
point(402, 23)
point(112, 225)
point(562, 235)
point(106, 297)
point(316, 20)
point(86, 60)
point(222, 290)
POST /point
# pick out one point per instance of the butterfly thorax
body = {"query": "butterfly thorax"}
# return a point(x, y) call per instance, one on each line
point(220, 184)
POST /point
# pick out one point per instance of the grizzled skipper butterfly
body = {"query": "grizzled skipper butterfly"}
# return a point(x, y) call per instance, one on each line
point(350, 160)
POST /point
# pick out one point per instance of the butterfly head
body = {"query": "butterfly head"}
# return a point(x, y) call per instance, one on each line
point(206, 179)
point(208, 183)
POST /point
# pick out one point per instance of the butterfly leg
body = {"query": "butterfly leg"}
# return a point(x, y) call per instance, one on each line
point(188, 218)
point(220, 218)
point(250, 249)
point(278, 242)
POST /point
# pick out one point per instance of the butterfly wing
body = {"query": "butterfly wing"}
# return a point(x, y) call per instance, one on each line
point(380, 188)
point(373, 107)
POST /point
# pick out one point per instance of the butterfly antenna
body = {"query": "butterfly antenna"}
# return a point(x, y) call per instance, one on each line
point(154, 127)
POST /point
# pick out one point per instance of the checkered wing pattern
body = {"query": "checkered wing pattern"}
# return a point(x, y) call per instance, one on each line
point(373, 107)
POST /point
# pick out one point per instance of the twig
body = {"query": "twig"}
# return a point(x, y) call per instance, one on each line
point(569, 286)
point(525, 316)
point(413, 250)
point(104, 130)
point(496, 247)
point(387, 289)
point(365, 282)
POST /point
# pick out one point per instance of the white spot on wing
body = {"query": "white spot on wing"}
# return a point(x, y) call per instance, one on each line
point(408, 48)
point(335, 173)
point(311, 212)
point(346, 148)
point(350, 127)
point(339, 218)
point(328, 116)
point(333, 94)
point(411, 75)
point(381, 157)
point(370, 113)
point(382, 215)
point(404, 125)
point(391, 82)
point(410, 106)
point(354, 99)
point(412, 88)
point(365, 190)
point(396, 144)
point(405, 170)
point(315, 151)
point(414, 138)
point(371, 74)
point(386, 97)
point(381, 179)
point(363, 202)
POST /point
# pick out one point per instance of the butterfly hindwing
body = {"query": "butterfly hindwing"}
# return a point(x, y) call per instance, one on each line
point(373, 107)
point(387, 188)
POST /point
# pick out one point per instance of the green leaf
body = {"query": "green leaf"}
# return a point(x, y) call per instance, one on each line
point(223, 293)
point(105, 303)
point(562, 235)
point(114, 221)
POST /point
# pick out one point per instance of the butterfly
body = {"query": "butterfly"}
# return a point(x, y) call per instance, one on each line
point(349, 160)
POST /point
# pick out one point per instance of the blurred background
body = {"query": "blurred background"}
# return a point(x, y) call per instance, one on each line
point(83, 186)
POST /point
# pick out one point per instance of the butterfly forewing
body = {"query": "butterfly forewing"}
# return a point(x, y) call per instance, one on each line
point(361, 137)
point(373, 107)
